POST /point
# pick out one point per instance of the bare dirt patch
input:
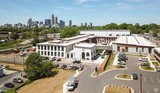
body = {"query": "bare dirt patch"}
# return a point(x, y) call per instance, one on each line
point(117, 89)
point(48, 85)
point(13, 66)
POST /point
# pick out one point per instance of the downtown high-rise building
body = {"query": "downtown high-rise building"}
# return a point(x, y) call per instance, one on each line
point(56, 21)
point(52, 19)
point(47, 22)
point(85, 24)
point(29, 23)
point(70, 22)
point(61, 24)
point(81, 24)
point(90, 24)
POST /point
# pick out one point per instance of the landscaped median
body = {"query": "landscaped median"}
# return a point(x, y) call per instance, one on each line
point(117, 89)
point(147, 68)
point(123, 77)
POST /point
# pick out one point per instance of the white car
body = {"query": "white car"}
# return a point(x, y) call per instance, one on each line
point(144, 59)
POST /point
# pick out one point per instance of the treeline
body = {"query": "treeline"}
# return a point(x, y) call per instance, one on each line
point(27, 33)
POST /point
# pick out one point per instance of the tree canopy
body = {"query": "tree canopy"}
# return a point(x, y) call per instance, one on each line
point(36, 68)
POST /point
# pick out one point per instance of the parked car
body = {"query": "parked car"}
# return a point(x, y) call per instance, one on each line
point(72, 83)
point(17, 80)
point(9, 85)
point(52, 58)
point(143, 59)
point(157, 69)
point(145, 64)
point(23, 54)
point(135, 76)
point(77, 61)
point(1, 91)
point(56, 65)
point(73, 67)
point(63, 66)
point(122, 57)
point(58, 59)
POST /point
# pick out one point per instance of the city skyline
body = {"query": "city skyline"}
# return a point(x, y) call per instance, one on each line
point(99, 12)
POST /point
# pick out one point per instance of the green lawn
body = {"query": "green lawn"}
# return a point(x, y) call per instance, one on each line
point(155, 63)
point(124, 76)
point(99, 51)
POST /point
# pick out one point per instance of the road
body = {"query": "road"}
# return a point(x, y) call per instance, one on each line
point(88, 84)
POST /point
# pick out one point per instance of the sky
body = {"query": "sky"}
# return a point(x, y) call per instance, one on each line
point(99, 12)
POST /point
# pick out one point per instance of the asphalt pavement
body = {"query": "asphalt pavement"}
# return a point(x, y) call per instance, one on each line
point(88, 84)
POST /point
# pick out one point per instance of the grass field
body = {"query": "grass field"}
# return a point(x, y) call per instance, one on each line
point(155, 63)
point(48, 85)
point(147, 68)
point(13, 66)
point(114, 89)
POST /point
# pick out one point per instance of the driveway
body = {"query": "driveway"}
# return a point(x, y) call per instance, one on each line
point(88, 84)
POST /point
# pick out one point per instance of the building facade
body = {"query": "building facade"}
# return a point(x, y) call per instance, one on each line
point(157, 53)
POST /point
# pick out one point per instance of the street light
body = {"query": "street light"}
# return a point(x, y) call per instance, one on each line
point(140, 82)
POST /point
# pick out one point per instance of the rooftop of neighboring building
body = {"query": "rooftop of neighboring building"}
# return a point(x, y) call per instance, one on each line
point(108, 30)
point(134, 40)
point(86, 45)
point(157, 49)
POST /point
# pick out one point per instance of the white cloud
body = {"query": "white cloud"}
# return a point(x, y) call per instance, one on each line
point(84, 1)
point(65, 8)
point(137, 1)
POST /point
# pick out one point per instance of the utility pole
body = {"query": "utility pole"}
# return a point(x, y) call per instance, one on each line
point(140, 82)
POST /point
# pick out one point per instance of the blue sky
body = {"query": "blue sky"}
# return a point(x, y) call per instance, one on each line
point(99, 12)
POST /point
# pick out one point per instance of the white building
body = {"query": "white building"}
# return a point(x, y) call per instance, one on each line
point(84, 51)
point(106, 32)
point(132, 44)
point(54, 36)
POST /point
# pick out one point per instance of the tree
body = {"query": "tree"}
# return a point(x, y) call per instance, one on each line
point(69, 32)
point(36, 68)
point(123, 26)
point(14, 36)
point(111, 26)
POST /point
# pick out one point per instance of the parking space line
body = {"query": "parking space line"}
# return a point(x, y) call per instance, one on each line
point(158, 80)
point(144, 78)
point(151, 79)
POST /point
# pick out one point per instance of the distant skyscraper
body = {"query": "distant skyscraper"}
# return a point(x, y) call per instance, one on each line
point(81, 24)
point(52, 19)
point(55, 20)
point(90, 24)
point(40, 23)
point(47, 22)
point(61, 24)
point(70, 22)
point(85, 24)
point(30, 22)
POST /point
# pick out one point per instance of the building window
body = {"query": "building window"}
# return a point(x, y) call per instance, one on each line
point(126, 49)
point(44, 47)
point(136, 49)
point(51, 53)
point(118, 48)
point(55, 48)
point(62, 54)
point(41, 52)
point(38, 52)
point(58, 54)
point(87, 54)
point(44, 52)
point(51, 47)
point(62, 48)
point(71, 55)
point(67, 55)
point(48, 53)
point(58, 48)
point(41, 47)
point(142, 49)
point(48, 48)
point(55, 54)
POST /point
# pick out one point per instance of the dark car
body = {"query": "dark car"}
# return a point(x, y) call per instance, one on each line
point(157, 69)
point(77, 61)
point(122, 57)
point(63, 66)
point(73, 67)
point(135, 76)
point(9, 85)
point(145, 64)
point(58, 59)
point(17, 80)
point(1, 91)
